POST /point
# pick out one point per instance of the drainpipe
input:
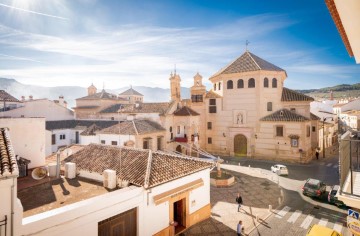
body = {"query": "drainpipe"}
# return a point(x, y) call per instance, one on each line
point(12, 206)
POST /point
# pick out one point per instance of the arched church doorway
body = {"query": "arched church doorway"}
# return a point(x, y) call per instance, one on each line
point(240, 145)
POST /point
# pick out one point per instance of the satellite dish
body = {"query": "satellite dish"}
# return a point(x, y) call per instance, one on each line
point(39, 173)
point(68, 152)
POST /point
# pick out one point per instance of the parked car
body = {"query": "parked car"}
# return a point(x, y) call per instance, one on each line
point(314, 188)
point(332, 196)
point(280, 169)
point(319, 230)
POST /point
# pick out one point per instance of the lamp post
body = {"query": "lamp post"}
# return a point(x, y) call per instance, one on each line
point(323, 126)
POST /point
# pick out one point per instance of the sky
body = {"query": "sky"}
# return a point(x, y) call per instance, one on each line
point(119, 43)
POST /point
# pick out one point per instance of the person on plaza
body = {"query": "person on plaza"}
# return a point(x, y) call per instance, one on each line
point(240, 228)
point(239, 201)
point(317, 152)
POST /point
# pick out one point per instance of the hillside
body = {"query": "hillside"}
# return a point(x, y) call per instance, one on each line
point(339, 91)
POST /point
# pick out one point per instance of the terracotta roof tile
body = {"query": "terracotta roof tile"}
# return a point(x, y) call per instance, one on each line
point(156, 107)
point(8, 164)
point(131, 91)
point(247, 62)
point(4, 96)
point(284, 115)
point(139, 167)
point(289, 95)
point(314, 117)
point(101, 95)
point(185, 111)
point(112, 109)
point(134, 127)
point(91, 130)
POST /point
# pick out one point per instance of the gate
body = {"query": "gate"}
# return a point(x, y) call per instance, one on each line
point(240, 145)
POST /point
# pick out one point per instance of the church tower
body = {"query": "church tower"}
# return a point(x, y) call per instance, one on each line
point(91, 90)
point(198, 90)
point(175, 87)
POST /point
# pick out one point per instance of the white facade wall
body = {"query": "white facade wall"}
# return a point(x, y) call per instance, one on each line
point(86, 140)
point(28, 138)
point(69, 138)
point(42, 108)
point(120, 139)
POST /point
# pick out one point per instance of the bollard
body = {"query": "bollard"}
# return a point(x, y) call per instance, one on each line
point(279, 200)
point(270, 208)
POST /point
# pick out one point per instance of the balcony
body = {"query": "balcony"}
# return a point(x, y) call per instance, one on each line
point(181, 139)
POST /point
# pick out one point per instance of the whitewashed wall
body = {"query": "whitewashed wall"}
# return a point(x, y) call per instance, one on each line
point(28, 138)
point(120, 139)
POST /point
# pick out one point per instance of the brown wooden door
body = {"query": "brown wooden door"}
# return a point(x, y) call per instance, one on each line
point(240, 145)
point(124, 224)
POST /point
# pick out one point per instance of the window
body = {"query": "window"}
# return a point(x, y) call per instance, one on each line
point(293, 110)
point(196, 98)
point(102, 141)
point(240, 83)
point(251, 83)
point(215, 87)
point(313, 129)
point(209, 125)
point(159, 143)
point(53, 139)
point(171, 136)
point(146, 144)
point(274, 83)
point(230, 84)
point(212, 105)
point(294, 142)
point(62, 136)
point(170, 129)
point(269, 106)
point(219, 86)
point(308, 131)
point(266, 83)
point(209, 140)
point(178, 130)
point(279, 131)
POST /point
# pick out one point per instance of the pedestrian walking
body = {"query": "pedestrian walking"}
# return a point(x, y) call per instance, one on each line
point(317, 152)
point(240, 228)
point(239, 201)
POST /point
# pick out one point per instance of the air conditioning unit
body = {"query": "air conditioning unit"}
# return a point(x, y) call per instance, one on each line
point(70, 170)
point(110, 179)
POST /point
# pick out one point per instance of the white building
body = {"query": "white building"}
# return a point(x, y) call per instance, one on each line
point(7, 102)
point(48, 109)
point(175, 188)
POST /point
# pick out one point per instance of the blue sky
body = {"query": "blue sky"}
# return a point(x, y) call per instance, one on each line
point(118, 43)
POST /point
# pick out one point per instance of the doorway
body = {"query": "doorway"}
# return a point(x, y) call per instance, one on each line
point(240, 145)
point(178, 149)
point(179, 215)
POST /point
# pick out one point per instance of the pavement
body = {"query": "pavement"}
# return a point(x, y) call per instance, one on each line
point(257, 193)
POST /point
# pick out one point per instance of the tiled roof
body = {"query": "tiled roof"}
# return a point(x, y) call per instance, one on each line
point(112, 109)
point(70, 124)
point(247, 62)
point(85, 107)
point(102, 95)
point(185, 111)
point(314, 117)
point(284, 115)
point(133, 127)
point(289, 95)
point(91, 130)
point(8, 165)
point(212, 94)
point(131, 91)
point(158, 107)
point(4, 96)
point(139, 167)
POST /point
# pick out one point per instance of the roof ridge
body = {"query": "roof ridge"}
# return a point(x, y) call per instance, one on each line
point(253, 59)
point(136, 131)
point(148, 170)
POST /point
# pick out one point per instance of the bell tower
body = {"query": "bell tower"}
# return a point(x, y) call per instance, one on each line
point(198, 90)
point(91, 90)
point(175, 87)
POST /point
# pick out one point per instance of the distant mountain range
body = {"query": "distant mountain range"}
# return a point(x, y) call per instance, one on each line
point(70, 93)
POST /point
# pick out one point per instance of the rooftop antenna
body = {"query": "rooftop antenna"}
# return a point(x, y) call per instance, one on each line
point(247, 44)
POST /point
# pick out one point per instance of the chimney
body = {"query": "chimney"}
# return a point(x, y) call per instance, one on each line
point(30, 97)
point(61, 101)
point(23, 98)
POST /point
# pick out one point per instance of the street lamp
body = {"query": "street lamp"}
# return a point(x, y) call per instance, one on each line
point(323, 127)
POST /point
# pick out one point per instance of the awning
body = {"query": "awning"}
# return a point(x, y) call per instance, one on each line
point(163, 197)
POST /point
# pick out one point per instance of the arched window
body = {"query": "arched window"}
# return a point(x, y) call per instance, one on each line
point(240, 83)
point(266, 83)
point(219, 86)
point(274, 83)
point(229, 84)
point(251, 83)
point(269, 106)
point(215, 87)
